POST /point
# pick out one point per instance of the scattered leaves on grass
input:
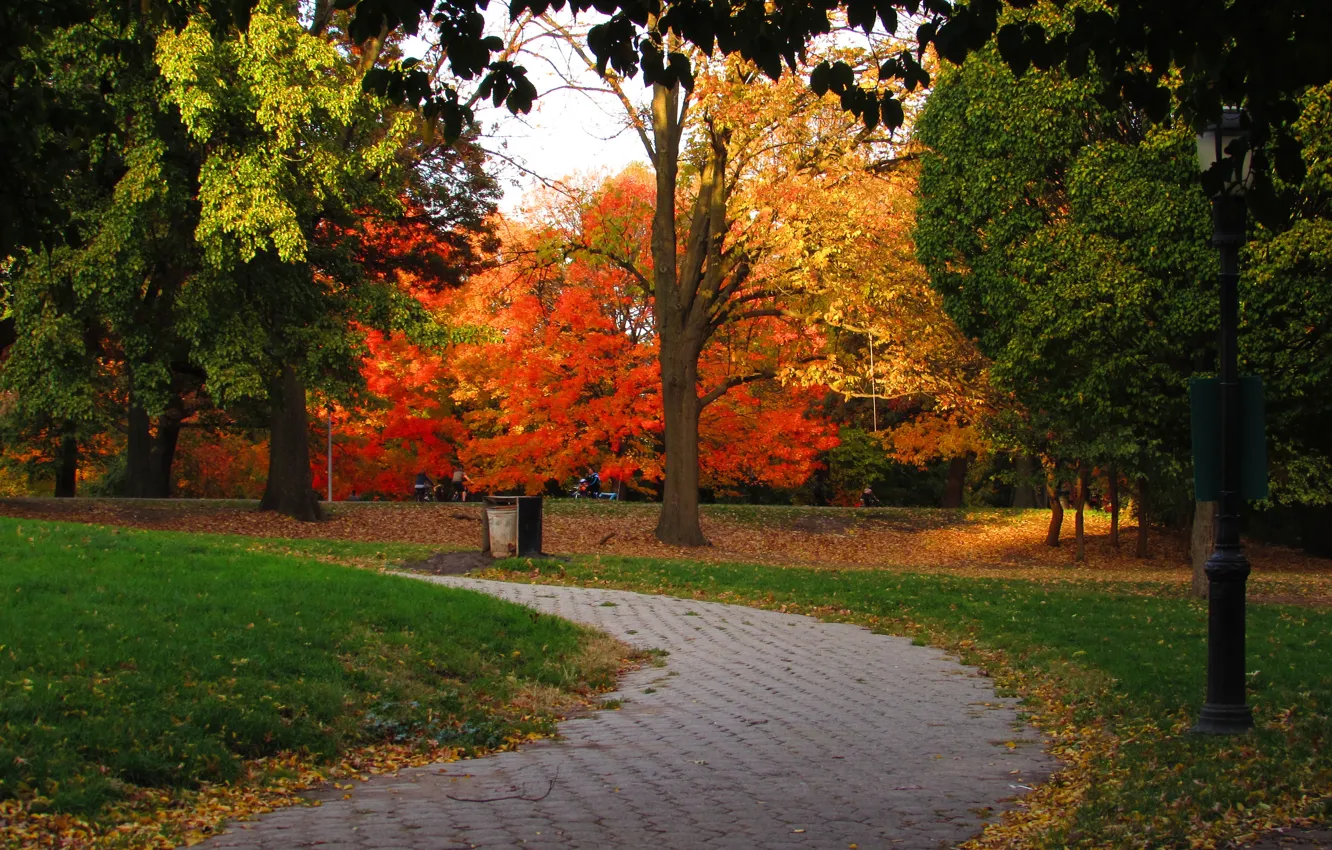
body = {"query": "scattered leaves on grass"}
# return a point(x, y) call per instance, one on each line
point(980, 543)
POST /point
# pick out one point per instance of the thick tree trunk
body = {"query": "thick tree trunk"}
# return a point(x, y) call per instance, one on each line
point(1024, 495)
point(955, 487)
point(288, 490)
point(1079, 536)
point(1201, 540)
point(149, 455)
point(67, 466)
point(164, 455)
point(1141, 507)
point(1113, 495)
point(678, 524)
point(138, 450)
point(1056, 512)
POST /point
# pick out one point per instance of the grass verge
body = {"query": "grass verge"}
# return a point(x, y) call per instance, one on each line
point(794, 516)
point(1114, 679)
point(146, 677)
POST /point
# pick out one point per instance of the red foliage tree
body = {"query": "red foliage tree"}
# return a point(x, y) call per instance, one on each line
point(575, 384)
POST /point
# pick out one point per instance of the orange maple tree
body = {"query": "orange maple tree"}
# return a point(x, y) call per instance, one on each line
point(574, 384)
point(406, 421)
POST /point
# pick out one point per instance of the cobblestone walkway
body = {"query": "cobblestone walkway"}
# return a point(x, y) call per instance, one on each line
point(762, 730)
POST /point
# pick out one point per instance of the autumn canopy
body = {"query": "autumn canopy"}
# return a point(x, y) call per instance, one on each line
point(954, 253)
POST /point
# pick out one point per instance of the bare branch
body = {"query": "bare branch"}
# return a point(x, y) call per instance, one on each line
point(766, 312)
point(740, 380)
point(614, 82)
point(370, 51)
point(323, 13)
point(507, 797)
point(557, 185)
point(733, 382)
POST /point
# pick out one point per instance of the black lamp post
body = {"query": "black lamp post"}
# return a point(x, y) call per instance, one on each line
point(1226, 710)
point(330, 454)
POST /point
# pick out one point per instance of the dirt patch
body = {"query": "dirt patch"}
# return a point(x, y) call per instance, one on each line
point(450, 563)
point(1293, 838)
point(831, 524)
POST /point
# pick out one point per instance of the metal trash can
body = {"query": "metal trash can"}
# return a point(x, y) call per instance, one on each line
point(502, 526)
point(511, 526)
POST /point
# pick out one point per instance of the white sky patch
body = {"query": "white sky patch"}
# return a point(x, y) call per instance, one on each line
point(573, 127)
point(576, 127)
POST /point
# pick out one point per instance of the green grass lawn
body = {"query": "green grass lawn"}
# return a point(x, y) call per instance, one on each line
point(790, 516)
point(1114, 674)
point(358, 552)
point(133, 659)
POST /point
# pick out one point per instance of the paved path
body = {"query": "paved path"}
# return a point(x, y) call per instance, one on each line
point(763, 730)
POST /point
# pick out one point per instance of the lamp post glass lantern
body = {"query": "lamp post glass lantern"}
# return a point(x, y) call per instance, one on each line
point(1226, 710)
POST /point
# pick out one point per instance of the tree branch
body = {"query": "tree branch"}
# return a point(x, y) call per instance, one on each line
point(740, 380)
point(621, 263)
point(323, 13)
point(733, 382)
point(630, 111)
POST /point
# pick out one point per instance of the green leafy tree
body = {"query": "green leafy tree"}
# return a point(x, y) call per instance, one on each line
point(1285, 329)
point(227, 231)
point(97, 305)
point(294, 157)
point(1207, 52)
point(1071, 241)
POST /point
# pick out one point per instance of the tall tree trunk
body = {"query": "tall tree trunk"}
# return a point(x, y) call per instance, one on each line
point(955, 486)
point(67, 468)
point(1056, 510)
point(1201, 540)
point(1113, 495)
point(681, 311)
point(678, 524)
point(1141, 506)
point(138, 450)
point(164, 455)
point(1024, 495)
point(149, 455)
point(1079, 537)
point(288, 490)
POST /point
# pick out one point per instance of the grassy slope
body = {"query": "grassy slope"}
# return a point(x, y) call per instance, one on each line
point(131, 658)
point(1116, 677)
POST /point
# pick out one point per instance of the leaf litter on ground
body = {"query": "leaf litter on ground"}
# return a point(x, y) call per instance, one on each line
point(981, 543)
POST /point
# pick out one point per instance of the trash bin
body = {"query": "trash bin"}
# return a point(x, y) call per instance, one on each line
point(502, 530)
point(511, 525)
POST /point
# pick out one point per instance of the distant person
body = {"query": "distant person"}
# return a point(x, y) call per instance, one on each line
point(423, 485)
point(868, 499)
point(459, 484)
point(353, 497)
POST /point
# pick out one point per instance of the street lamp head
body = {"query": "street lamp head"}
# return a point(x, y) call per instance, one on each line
point(1217, 143)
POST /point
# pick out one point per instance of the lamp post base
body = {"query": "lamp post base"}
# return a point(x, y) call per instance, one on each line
point(1223, 720)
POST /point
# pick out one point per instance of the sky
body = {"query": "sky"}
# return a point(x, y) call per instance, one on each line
point(575, 127)
point(568, 131)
